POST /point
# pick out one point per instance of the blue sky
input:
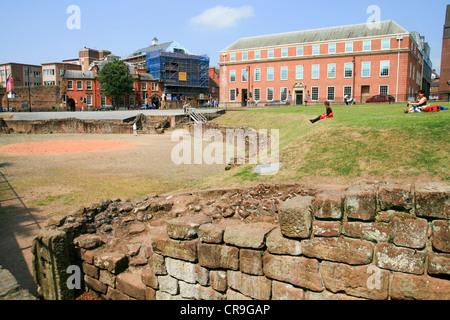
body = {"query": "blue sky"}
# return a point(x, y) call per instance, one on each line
point(36, 32)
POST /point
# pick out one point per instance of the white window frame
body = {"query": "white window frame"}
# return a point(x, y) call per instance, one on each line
point(299, 72)
point(329, 68)
point(89, 100)
point(244, 56)
point(316, 48)
point(267, 94)
point(383, 66)
point(284, 52)
point(257, 54)
point(367, 45)
point(89, 85)
point(387, 89)
point(80, 88)
point(232, 74)
point(348, 45)
point(257, 96)
point(312, 94)
point(283, 89)
point(284, 73)
point(332, 48)
point(257, 74)
point(351, 91)
point(362, 69)
point(328, 93)
point(244, 72)
point(270, 74)
point(385, 44)
point(270, 53)
point(70, 85)
point(299, 51)
point(232, 94)
point(232, 57)
point(345, 70)
point(313, 71)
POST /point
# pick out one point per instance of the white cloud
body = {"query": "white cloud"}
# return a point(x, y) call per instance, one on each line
point(222, 17)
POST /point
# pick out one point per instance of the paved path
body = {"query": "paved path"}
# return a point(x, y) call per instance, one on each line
point(10, 288)
point(100, 115)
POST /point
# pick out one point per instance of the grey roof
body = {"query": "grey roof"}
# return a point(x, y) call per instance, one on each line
point(317, 35)
point(101, 64)
point(151, 48)
point(145, 77)
point(78, 74)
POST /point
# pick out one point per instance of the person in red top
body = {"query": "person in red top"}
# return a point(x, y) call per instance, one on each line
point(327, 115)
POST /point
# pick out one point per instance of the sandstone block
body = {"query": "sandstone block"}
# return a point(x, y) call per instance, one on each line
point(114, 262)
point(168, 284)
point(183, 250)
point(213, 232)
point(88, 241)
point(441, 235)
point(388, 256)
point(95, 285)
point(131, 284)
point(107, 278)
point(409, 232)
point(361, 203)
point(329, 205)
point(439, 263)
point(218, 280)
point(235, 295)
point(114, 294)
point(218, 256)
point(250, 235)
point(393, 196)
point(253, 286)
point(90, 270)
point(296, 217)
point(345, 250)
point(149, 279)
point(278, 244)
point(181, 270)
point(360, 281)
point(250, 262)
point(326, 228)
point(299, 271)
point(411, 287)
point(372, 231)
point(285, 291)
point(157, 264)
point(432, 200)
point(186, 227)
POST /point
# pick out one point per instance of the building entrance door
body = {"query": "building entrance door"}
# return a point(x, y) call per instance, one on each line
point(365, 93)
point(298, 98)
point(244, 97)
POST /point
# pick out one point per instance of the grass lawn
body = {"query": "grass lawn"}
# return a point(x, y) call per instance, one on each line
point(376, 141)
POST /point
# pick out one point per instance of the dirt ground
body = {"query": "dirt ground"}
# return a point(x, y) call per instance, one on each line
point(45, 175)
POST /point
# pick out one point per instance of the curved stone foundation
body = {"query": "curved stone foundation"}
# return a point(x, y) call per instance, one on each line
point(373, 240)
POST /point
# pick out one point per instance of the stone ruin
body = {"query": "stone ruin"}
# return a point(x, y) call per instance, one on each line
point(372, 240)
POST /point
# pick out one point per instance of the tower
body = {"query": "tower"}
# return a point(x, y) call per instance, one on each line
point(444, 85)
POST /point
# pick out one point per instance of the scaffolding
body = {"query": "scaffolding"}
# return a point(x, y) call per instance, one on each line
point(180, 73)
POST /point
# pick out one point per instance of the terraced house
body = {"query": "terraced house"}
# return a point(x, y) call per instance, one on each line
point(323, 64)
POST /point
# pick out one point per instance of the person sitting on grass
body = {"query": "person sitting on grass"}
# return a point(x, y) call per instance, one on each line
point(417, 106)
point(327, 115)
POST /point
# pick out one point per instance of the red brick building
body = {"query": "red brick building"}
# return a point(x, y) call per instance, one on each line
point(325, 64)
point(84, 88)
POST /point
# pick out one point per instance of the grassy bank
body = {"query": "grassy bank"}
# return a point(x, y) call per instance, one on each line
point(374, 141)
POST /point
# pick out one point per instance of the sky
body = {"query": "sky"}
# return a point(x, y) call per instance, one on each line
point(44, 31)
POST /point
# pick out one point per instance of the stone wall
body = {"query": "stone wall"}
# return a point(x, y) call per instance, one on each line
point(372, 240)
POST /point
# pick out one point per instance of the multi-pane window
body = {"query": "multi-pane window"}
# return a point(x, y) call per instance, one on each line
point(315, 72)
point(89, 100)
point(244, 56)
point(299, 51)
point(316, 49)
point(385, 44)
point(270, 74)
point(269, 94)
point(233, 57)
point(384, 68)
point(330, 93)
point(79, 85)
point(331, 71)
point(332, 48)
point(367, 45)
point(284, 52)
point(144, 86)
point(384, 89)
point(103, 101)
point(270, 53)
point(257, 94)
point(348, 70)
point(315, 93)
point(257, 76)
point(88, 85)
point(284, 73)
point(132, 101)
point(365, 73)
point(349, 47)
point(299, 73)
point(283, 94)
point(244, 75)
point(69, 85)
point(233, 95)
point(232, 75)
point(257, 54)
point(348, 91)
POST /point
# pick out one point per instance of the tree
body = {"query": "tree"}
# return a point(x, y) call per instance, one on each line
point(115, 80)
